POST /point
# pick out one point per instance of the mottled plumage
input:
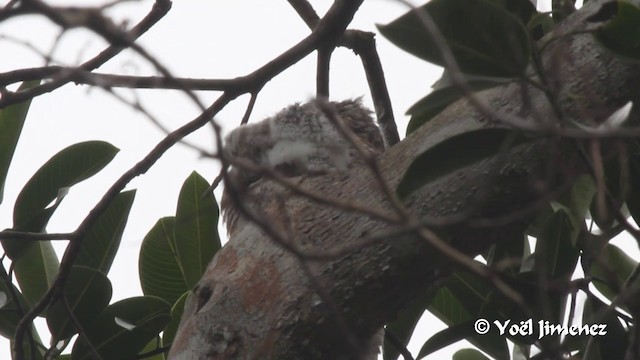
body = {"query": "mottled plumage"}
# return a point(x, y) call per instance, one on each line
point(298, 140)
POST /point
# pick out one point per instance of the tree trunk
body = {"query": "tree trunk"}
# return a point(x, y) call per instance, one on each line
point(258, 301)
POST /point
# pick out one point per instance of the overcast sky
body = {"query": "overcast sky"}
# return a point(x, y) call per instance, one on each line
point(199, 39)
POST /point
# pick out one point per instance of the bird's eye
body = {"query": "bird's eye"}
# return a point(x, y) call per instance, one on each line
point(253, 177)
point(287, 169)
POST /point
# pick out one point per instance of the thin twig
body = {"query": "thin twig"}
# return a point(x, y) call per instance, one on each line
point(81, 76)
point(158, 11)
point(331, 114)
point(306, 12)
point(250, 105)
point(364, 45)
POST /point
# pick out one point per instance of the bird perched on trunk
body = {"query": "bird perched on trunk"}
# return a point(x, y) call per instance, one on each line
point(300, 140)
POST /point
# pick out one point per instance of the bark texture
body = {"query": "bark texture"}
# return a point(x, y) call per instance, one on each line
point(256, 302)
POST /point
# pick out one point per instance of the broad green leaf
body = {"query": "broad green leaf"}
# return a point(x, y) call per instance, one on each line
point(123, 329)
point(160, 273)
point(484, 38)
point(506, 250)
point(35, 270)
point(580, 196)
point(464, 298)
point(11, 122)
point(524, 10)
point(540, 220)
point(404, 324)
point(16, 248)
point(469, 354)
point(549, 306)
point(431, 105)
point(11, 313)
point(446, 337)
point(556, 253)
point(447, 307)
point(87, 293)
point(13, 309)
point(27, 348)
point(101, 242)
point(470, 292)
point(176, 314)
point(455, 153)
point(196, 225)
point(611, 269)
point(621, 31)
point(65, 169)
point(153, 345)
point(618, 186)
point(615, 342)
point(68, 167)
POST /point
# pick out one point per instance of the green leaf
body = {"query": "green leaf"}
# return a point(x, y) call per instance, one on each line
point(621, 33)
point(65, 169)
point(464, 298)
point(11, 312)
point(13, 309)
point(28, 352)
point(102, 240)
point(485, 39)
point(51, 182)
point(618, 186)
point(196, 225)
point(556, 254)
point(455, 153)
point(153, 345)
point(123, 329)
point(446, 337)
point(170, 331)
point(615, 342)
point(540, 220)
point(431, 105)
point(160, 273)
point(524, 10)
point(469, 354)
point(16, 248)
point(611, 270)
point(505, 250)
point(35, 270)
point(87, 293)
point(581, 195)
point(11, 123)
point(404, 324)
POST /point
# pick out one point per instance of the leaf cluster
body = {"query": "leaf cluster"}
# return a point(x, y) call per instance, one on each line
point(173, 257)
point(493, 43)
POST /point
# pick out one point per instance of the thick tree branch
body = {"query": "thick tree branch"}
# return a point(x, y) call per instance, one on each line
point(283, 317)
